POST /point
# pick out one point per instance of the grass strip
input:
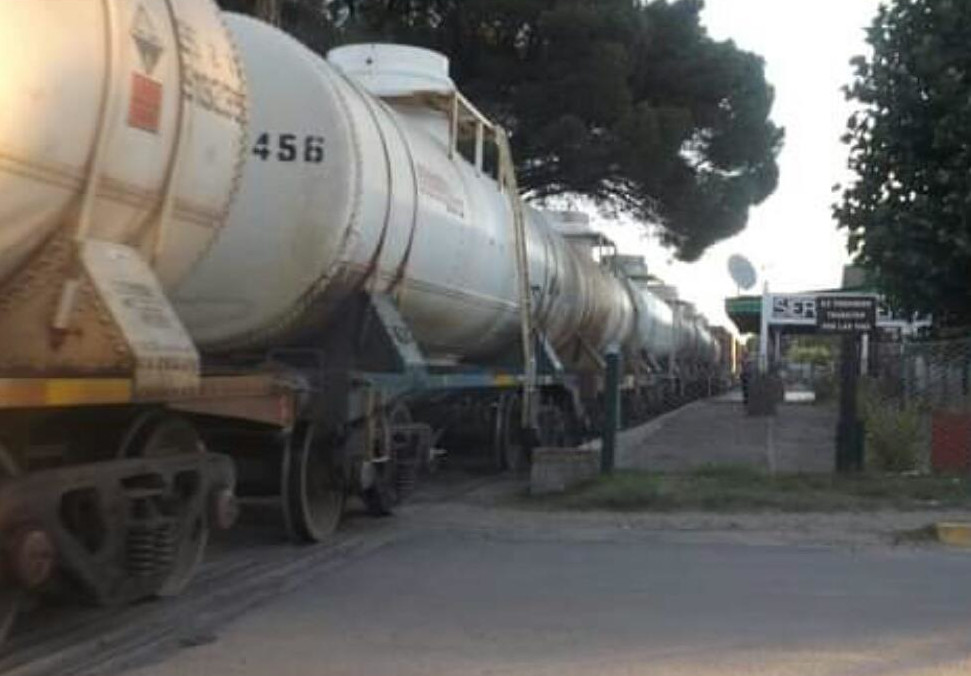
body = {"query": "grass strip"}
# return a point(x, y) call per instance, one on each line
point(742, 489)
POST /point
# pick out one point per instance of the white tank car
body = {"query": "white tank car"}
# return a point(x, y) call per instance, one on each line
point(700, 345)
point(92, 106)
point(345, 184)
point(711, 349)
point(692, 340)
point(277, 195)
point(654, 334)
point(601, 305)
point(702, 348)
point(656, 324)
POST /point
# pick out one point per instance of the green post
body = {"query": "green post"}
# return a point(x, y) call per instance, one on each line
point(611, 410)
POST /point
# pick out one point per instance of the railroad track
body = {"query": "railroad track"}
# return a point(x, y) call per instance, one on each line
point(72, 641)
point(246, 568)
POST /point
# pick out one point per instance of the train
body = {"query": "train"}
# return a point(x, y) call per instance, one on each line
point(229, 267)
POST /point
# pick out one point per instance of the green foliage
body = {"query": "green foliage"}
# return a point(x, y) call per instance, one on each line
point(907, 211)
point(818, 355)
point(629, 103)
point(892, 439)
point(739, 489)
point(316, 23)
point(812, 349)
point(893, 433)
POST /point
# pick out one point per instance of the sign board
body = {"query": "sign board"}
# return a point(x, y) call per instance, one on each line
point(846, 313)
point(802, 310)
point(166, 360)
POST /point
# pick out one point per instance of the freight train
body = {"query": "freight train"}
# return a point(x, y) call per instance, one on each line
point(227, 263)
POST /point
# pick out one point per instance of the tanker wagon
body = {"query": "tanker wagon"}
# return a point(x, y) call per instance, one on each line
point(226, 263)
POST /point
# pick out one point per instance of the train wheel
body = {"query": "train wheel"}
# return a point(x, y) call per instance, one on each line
point(159, 434)
point(9, 606)
point(390, 480)
point(313, 491)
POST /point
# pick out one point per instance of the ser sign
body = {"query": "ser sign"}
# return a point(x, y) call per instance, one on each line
point(798, 309)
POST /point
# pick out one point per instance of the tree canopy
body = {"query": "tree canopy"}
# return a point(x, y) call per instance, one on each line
point(629, 103)
point(907, 210)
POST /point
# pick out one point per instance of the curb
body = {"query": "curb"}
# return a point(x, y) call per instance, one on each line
point(954, 534)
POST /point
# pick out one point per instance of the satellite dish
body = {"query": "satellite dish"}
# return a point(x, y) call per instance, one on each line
point(742, 271)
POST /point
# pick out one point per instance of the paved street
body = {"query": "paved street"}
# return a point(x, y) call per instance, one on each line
point(473, 586)
point(442, 601)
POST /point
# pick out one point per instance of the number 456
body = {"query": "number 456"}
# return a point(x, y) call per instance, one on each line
point(290, 148)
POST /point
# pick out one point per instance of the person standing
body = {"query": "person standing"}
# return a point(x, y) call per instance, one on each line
point(746, 378)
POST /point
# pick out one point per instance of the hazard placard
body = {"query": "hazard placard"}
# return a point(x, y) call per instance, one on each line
point(145, 106)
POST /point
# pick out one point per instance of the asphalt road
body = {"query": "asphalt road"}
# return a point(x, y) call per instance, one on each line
point(442, 601)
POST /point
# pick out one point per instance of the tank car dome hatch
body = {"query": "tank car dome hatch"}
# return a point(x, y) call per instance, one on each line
point(574, 226)
point(665, 292)
point(568, 216)
point(394, 70)
point(570, 223)
point(632, 267)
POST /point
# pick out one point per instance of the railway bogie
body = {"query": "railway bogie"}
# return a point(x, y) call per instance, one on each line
point(114, 503)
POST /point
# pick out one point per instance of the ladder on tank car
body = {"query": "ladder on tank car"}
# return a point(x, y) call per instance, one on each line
point(466, 121)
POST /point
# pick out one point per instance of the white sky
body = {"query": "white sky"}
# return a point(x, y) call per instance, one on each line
point(791, 238)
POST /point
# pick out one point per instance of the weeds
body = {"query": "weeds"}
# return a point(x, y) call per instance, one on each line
point(893, 433)
point(736, 489)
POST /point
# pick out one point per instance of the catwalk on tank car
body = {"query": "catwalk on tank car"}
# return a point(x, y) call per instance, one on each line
point(215, 279)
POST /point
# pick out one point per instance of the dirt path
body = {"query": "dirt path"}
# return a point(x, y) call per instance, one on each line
point(799, 438)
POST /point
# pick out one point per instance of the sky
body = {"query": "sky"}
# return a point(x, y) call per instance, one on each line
point(791, 238)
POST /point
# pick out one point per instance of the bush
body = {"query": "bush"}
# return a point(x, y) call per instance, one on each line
point(892, 432)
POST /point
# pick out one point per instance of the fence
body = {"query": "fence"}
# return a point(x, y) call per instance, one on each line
point(916, 406)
